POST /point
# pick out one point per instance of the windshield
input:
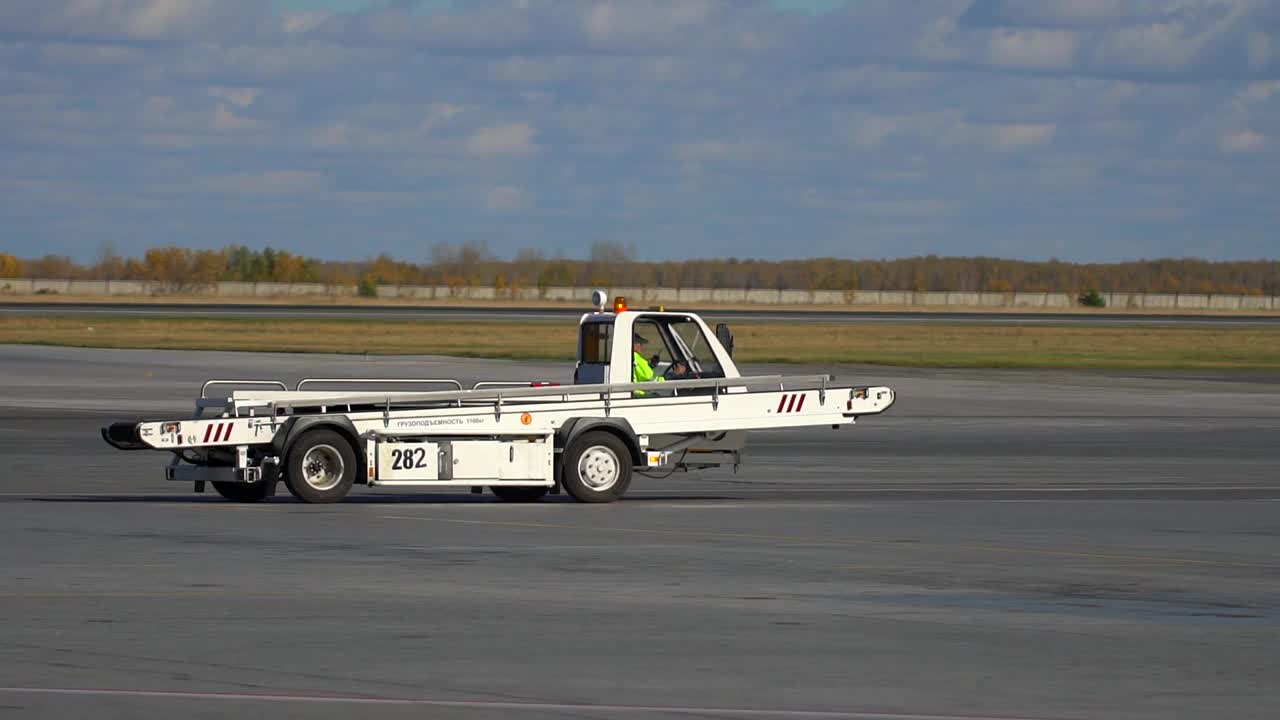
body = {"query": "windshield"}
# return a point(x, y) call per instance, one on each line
point(696, 348)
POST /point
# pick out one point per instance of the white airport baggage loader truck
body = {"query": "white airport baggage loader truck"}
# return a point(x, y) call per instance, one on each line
point(520, 440)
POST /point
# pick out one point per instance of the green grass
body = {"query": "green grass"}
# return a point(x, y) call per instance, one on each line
point(910, 344)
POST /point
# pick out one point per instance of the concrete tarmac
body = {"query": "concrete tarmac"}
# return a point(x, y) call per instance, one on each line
point(1005, 544)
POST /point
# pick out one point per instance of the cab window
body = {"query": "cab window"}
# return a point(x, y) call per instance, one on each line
point(593, 353)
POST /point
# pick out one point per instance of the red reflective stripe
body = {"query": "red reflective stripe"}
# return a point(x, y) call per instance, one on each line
point(791, 406)
point(207, 430)
point(224, 436)
point(782, 402)
point(800, 404)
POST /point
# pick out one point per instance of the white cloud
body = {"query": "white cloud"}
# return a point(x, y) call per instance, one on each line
point(272, 183)
point(338, 136)
point(238, 96)
point(1259, 49)
point(1001, 137)
point(1064, 13)
point(30, 101)
point(170, 141)
point(1241, 142)
point(1161, 46)
point(304, 22)
point(155, 18)
point(615, 23)
point(873, 80)
point(1017, 137)
point(159, 106)
point(1032, 49)
point(509, 140)
point(90, 54)
point(438, 113)
point(132, 19)
point(712, 150)
point(870, 131)
point(1259, 91)
point(507, 198)
point(224, 120)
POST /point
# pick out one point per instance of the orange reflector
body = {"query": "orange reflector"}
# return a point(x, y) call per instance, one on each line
point(619, 304)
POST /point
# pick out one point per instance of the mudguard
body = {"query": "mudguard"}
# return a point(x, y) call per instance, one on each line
point(573, 427)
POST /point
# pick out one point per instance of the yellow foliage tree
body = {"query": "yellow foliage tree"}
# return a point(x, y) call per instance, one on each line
point(10, 266)
point(169, 265)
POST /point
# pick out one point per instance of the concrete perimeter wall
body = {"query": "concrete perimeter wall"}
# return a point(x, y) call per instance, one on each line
point(647, 296)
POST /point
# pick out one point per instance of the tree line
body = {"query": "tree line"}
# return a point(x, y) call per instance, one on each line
point(614, 264)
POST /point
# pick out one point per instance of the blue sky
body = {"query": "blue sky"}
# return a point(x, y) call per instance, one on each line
point(1078, 129)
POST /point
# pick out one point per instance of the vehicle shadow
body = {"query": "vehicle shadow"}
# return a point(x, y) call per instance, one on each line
point(286, 499)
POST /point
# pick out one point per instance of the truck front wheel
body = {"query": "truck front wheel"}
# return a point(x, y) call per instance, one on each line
point(321, 467)
point(597, 467)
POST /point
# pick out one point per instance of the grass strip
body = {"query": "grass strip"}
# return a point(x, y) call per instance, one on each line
point(906, 344)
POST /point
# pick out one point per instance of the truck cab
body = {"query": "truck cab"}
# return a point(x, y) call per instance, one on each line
point(677, 345)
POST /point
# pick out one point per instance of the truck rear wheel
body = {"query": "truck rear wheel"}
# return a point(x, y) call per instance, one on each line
point(321, 467)
point(509, 493)
point(242, 492)
point(597, 467)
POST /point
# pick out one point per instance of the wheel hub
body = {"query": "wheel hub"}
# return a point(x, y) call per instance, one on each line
point(322, 467)
point(599, 468)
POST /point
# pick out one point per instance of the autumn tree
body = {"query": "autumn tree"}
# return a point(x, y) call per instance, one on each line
point(170, 266)
point(10, 266)
point(52, 267)
point(109, 265)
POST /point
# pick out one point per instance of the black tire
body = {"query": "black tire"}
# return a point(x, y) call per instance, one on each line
point(596, 467)
point(321, 467)
point(242, 492)
point(517, 494)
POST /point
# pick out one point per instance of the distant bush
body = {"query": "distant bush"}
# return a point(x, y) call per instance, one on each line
point(1092, 298)
point(368, 286)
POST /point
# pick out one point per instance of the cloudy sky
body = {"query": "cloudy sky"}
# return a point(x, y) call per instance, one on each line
point(1078, 129)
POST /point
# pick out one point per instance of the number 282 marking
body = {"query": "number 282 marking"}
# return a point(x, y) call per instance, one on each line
point(408, 459)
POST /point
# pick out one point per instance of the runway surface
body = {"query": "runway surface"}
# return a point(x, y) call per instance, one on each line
point(368, 312)
point(1004, 544)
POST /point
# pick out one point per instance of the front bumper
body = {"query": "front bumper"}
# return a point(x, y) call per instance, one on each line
point(124, 436)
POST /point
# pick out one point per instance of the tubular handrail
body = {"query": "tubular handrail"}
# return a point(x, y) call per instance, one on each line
point(380, 381)
point(499, 395)
point(501, 384)
point(211, 383)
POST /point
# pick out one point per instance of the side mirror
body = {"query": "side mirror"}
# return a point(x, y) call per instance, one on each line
point(725, 336)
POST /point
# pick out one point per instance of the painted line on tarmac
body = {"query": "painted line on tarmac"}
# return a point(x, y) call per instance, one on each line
point(850, 542)
point(525, 706)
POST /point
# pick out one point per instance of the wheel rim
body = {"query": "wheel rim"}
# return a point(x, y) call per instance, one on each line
point(322, 467)
point(599, 468)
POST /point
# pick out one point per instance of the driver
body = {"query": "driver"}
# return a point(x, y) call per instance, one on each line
point(641, 369)
point(644, 370)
